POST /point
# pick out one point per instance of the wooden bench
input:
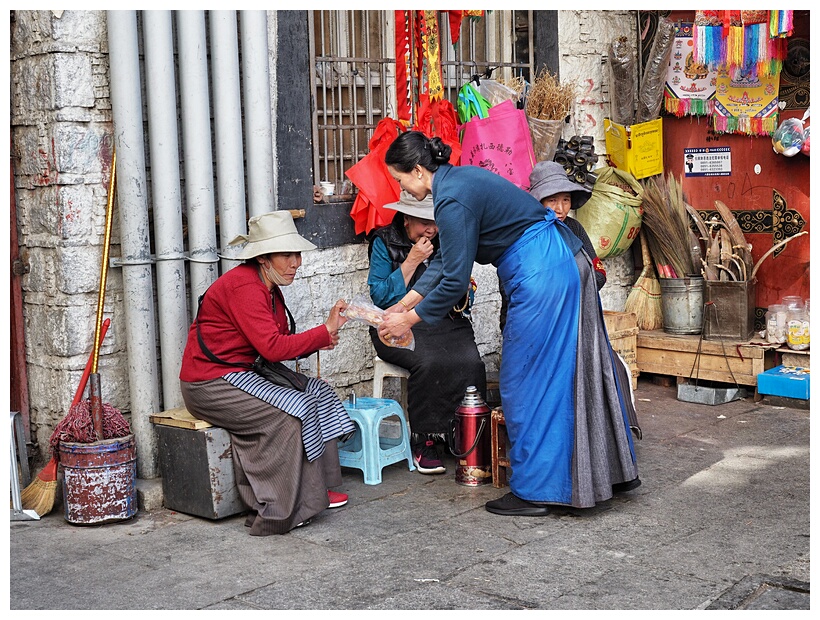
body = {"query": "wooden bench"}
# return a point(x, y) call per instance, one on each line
point(724, 361)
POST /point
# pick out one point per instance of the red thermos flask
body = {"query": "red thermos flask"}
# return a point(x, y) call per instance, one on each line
point(470, 440)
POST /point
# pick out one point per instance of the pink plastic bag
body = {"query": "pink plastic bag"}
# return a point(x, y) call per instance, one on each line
point(501, 143)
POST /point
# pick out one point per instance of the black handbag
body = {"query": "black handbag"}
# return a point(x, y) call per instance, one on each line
point(275, 372)
point(279, 374)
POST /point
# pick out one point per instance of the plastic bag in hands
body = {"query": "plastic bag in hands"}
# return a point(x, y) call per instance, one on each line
point(363, 310)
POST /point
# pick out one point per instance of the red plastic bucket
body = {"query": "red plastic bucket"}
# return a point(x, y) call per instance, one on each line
point(99, 480)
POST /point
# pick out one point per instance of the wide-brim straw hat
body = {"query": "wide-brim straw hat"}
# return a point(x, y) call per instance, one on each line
point(549, 178)
point(271, 232)
point(407, 204)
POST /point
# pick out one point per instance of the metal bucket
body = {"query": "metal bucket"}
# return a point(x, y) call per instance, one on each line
point(682, 304)
point(99, 480)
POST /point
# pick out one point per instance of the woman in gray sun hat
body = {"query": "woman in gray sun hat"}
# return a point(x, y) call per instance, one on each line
point(445, 361)
point(284, 441)
point(551, 186)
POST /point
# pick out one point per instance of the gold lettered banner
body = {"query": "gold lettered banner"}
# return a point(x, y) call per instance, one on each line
point(746, 104)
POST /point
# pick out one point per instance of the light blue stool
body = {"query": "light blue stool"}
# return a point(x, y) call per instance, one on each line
point(367, 449)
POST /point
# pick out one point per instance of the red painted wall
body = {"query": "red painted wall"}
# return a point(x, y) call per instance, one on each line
point(749, 188)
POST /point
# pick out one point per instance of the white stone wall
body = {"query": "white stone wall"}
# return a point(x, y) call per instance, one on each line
point(584, 40)
point(61, 153)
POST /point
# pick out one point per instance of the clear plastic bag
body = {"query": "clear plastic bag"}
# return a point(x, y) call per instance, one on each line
point(495, 92)
point(361, 309)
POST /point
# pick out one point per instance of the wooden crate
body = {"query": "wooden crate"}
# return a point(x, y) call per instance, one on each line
point(673, 354)
point(622, 329)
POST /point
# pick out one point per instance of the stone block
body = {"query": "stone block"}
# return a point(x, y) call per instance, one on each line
point(73, 86)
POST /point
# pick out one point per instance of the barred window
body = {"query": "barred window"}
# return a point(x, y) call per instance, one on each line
point(353, 82)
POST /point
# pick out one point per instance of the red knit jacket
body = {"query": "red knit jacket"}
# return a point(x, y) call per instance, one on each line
point(238, 322)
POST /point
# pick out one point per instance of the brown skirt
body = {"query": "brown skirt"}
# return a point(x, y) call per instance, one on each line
point(272, 472)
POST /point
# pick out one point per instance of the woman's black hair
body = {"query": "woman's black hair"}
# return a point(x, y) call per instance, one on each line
point(413, 148)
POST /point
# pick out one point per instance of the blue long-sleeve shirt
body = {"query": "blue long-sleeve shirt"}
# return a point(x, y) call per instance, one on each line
point(479, 215)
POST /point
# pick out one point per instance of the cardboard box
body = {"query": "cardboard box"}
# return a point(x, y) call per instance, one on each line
point(788, 381)
point(638, 148)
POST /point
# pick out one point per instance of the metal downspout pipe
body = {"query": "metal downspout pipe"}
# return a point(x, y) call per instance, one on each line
point(132, 200)
point(230, 170)
point(196, 140)
point(253, 30)
point(160, 88)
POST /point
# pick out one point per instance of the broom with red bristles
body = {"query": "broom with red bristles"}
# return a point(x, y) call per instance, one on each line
point(40, 494)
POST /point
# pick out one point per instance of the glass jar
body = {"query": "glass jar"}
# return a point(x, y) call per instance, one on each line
point(799, 330)
point(776, 324)
point(793, 301)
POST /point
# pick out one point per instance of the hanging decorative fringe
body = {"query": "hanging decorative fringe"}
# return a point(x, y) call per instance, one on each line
point(741, 40)
point(781, 23)
point(689, 107)
point(744, 124)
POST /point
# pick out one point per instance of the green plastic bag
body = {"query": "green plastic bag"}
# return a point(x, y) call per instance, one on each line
point(613, 214)
point(471, 103)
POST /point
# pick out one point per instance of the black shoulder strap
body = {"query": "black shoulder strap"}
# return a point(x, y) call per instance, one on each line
point(205, 349)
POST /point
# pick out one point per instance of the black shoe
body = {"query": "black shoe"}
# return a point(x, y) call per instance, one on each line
point(511, 505)
point(623, 487)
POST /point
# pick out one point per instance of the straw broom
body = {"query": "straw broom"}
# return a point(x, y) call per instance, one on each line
point(645, 297)
point(39, 496)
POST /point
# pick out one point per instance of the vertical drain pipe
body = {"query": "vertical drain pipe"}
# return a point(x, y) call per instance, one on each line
point(160, 87)
point(256, 91)
point(126, 104)
point(196, 140)
point(230, 171)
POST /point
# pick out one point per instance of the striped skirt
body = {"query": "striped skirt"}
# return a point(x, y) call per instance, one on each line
point(274, 476)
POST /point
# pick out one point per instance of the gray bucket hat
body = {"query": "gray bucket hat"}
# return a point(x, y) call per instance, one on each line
point(549, 178)
point(407, 204)
point(271, 232)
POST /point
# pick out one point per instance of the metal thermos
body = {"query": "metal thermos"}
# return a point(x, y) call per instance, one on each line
point(470, 440)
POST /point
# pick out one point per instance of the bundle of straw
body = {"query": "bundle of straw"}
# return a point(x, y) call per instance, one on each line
point(645, 297)
point(548, 99)
point(666, 223)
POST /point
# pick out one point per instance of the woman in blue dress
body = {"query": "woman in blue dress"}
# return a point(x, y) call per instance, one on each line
point(564, 408)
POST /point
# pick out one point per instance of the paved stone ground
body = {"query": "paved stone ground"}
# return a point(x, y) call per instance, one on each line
point(720, 522)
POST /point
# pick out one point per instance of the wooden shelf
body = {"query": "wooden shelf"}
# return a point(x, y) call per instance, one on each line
point(724, 361)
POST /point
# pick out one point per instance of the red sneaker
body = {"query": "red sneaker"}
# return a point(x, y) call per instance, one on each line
point(336, 499)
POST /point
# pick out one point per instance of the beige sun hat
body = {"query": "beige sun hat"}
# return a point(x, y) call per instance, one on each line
point(271, 232)
point(407, 204)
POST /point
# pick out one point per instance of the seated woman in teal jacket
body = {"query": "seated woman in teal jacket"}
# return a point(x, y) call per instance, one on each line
point(445, 361)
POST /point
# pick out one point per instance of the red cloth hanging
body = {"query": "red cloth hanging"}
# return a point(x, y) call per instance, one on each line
point(376, 187)
point(402, 64)
point(439, 118)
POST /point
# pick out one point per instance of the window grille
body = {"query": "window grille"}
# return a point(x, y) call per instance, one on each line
point(353, 78)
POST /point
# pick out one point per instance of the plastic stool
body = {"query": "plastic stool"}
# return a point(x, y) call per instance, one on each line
point(381, 370)
point(367, 449)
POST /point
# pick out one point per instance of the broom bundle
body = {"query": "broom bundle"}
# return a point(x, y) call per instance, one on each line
point(645, 297)
point(666, 223)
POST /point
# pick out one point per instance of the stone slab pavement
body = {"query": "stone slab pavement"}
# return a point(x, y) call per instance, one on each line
point(721, 521)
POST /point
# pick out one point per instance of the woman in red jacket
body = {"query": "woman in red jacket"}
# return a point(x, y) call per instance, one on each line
point(284, 440)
